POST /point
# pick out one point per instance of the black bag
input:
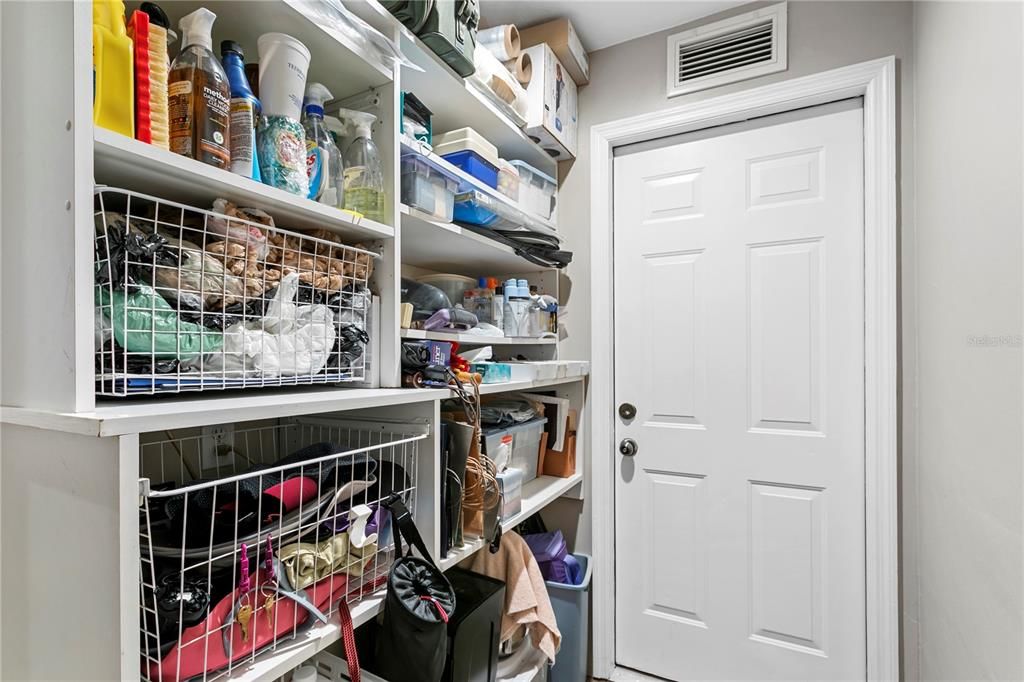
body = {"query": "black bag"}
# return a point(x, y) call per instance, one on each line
point(412, 642)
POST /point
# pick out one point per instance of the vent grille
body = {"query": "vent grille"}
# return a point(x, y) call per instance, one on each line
point(734, 49)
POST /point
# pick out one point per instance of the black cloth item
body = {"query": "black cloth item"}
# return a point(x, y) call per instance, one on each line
point(412, 643)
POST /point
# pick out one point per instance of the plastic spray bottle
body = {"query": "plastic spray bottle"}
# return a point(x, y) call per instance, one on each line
point(364, 179)
point(323, 160)
point(199, 99)
point(245, 111)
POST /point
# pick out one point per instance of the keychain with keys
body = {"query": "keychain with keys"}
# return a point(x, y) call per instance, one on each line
point(244, 614)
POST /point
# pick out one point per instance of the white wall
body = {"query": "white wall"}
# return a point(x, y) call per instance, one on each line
point(961, 407)
point(968, 186)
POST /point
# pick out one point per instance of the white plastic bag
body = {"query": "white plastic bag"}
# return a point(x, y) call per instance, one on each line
point(288, 341)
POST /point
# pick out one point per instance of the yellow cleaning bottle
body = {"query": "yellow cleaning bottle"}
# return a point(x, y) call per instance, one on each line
point(113, 91)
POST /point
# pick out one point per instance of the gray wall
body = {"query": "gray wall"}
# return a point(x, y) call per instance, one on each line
point(961, 405)
point(968, 183)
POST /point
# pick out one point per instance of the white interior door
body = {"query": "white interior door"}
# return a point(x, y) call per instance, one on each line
point(739, 337)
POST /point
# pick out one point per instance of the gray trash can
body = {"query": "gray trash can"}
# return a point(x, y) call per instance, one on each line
point(571, 604)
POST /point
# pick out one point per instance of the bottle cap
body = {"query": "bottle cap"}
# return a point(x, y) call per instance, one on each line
point(156, 14)
point(231, 46)
point(523, 284)
point(482, 282)
point(492, 282)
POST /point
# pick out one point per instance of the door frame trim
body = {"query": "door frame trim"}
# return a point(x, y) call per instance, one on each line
point(875, 81)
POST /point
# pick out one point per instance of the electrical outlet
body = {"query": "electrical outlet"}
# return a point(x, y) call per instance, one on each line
point(217, 447)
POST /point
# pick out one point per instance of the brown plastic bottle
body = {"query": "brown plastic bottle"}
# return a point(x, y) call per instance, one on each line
point(199, 96)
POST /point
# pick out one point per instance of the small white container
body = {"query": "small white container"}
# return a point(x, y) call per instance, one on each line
point(538, 192)
point(465, 139)
point(284, 62)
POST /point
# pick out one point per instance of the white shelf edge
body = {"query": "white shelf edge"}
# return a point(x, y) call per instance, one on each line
point(113, 149)
point(273, 664)
point(457, 554)
point(476, 339)
point(537, 494)
point(117, 418)
point(487, 389)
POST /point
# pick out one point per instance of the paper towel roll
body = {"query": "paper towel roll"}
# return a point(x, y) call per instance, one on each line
point(501, 41)
point(521, 67)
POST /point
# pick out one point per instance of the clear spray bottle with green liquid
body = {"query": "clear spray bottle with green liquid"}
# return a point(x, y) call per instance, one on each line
point(364, 178)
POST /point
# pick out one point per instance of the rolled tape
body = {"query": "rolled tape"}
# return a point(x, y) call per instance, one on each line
point(521, 68)
point(501, 41)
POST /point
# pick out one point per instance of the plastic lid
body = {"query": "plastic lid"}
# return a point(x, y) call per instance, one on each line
point(522, 164)
point(482, 282)
point(156, 14)
point(523, 284)
point(231, 46)
point(306, 673)
point(492, 282)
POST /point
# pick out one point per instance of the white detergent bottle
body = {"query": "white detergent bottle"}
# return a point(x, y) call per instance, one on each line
point(323, 160)
point(364, 179)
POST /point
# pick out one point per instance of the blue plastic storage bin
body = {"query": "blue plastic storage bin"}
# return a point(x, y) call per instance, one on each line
point(571, 604)
point(476, 165)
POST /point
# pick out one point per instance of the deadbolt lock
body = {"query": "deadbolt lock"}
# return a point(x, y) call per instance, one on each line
point(627, 410)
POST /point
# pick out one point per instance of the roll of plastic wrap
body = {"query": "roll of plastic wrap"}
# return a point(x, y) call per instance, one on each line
point(501, 41)
point(493, 75)
point(521, 68)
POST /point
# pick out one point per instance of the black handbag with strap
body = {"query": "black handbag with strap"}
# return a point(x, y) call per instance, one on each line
point(412, 642)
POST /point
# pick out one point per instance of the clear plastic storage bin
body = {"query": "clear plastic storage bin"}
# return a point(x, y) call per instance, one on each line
point(508, 180)
point(538, 192)
point(525, 446)
point(427, 188)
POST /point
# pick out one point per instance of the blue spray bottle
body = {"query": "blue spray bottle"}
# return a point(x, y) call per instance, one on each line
point(245, 111)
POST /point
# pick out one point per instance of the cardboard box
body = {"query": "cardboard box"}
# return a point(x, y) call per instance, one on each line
point(551, 112)
point(562, 37)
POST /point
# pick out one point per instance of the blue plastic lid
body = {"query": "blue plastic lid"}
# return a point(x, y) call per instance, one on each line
point(482, 282)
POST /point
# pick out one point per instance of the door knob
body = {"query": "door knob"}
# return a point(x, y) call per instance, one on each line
point(628, 447)
point(627, 410)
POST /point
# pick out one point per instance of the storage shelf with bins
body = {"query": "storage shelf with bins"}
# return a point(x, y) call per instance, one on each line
point(83, 452)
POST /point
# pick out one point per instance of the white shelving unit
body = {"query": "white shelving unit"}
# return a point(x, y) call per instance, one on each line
point(476, 339)
point(71, 462)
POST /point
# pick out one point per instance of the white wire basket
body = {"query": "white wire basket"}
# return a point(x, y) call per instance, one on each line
point(288, 525)
point(188, 299)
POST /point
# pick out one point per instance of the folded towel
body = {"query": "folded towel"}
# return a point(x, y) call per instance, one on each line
point(526, 596)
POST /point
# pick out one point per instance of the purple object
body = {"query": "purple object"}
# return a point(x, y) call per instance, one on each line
point(553, 558)
point(451, 318)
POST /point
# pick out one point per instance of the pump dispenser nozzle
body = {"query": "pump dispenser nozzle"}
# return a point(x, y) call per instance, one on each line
point(361, 122)
point(316, 95)
point(197, 28)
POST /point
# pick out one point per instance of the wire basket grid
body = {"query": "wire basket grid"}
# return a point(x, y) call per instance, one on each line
point(290, 514)
point(188, 299)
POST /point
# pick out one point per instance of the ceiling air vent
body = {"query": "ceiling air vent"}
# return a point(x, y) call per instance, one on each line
point(734, 49)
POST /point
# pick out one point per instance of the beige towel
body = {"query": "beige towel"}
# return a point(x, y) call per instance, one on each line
point(526, 596)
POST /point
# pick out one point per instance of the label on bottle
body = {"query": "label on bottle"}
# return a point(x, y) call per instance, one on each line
point(179, 112)
point(316, 168)
point(241, 128)
point(212, 124)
